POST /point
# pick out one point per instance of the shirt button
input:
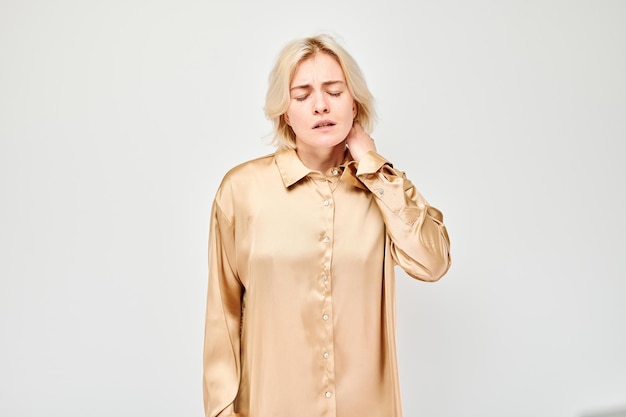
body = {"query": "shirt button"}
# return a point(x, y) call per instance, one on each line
point(325, 277)
point(328, 394)
point(325, 317)
point(326, 202)
point(380, 191)
point(335, 171)
point(326, 239)
point(325, 355)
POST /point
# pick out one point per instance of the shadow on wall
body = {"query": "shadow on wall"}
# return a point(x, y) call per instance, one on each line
point(613, 413)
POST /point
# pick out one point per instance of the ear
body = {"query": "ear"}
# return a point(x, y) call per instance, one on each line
point(286, 119)
point(354, 110)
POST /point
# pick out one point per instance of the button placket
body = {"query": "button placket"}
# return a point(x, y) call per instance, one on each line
point(325, 351)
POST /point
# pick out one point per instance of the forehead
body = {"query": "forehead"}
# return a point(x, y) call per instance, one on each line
point(318, 68)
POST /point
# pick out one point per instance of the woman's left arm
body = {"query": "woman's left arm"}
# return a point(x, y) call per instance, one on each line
point(419, 240)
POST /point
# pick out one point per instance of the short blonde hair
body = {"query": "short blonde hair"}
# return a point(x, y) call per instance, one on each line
point(277, 98)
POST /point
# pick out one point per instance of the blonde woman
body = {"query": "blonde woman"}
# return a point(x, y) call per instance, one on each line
point(300, 318)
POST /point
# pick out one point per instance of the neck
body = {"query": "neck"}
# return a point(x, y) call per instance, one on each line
point(321, 159)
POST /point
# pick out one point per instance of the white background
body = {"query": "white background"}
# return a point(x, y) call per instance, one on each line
point(119, 118)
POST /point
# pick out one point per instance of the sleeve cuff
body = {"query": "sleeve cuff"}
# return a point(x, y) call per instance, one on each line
point(370, 163)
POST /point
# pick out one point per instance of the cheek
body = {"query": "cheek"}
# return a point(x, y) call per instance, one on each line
point(296, 120)
point(346, 130)
point(349, 111)
point(291, 117)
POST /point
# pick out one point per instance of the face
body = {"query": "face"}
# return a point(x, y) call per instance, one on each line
point(321, 109)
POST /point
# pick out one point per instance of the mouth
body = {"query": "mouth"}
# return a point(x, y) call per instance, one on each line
point(324, 123)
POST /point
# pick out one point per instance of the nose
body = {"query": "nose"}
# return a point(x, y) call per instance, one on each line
point(320, 105)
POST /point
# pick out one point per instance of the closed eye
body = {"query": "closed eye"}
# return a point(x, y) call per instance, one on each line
point(301, 98)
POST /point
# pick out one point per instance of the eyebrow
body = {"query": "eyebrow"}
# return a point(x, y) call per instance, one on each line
point(325, 84)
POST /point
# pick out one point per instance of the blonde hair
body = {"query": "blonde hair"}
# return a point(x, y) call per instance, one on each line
point(277, 98)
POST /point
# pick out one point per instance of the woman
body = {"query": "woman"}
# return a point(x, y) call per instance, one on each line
point(300, 315)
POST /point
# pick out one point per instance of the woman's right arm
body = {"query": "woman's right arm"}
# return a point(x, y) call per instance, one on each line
point(223, 318)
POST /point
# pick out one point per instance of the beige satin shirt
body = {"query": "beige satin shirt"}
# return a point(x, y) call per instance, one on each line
point(300, 318)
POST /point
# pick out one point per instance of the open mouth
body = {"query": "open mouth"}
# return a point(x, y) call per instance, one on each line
point(323, 124)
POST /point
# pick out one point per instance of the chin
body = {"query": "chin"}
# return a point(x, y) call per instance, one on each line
point(322, 143)
point(332, 143)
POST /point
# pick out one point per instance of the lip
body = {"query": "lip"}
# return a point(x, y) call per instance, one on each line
point(324, 124)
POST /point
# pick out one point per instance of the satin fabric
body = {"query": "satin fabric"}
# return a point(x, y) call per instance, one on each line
point(300, 317)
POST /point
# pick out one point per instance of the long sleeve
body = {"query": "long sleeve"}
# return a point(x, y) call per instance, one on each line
point(223, 318)
point(419, 241)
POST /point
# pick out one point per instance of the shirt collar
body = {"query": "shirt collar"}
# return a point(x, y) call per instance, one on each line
point(292, 169)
